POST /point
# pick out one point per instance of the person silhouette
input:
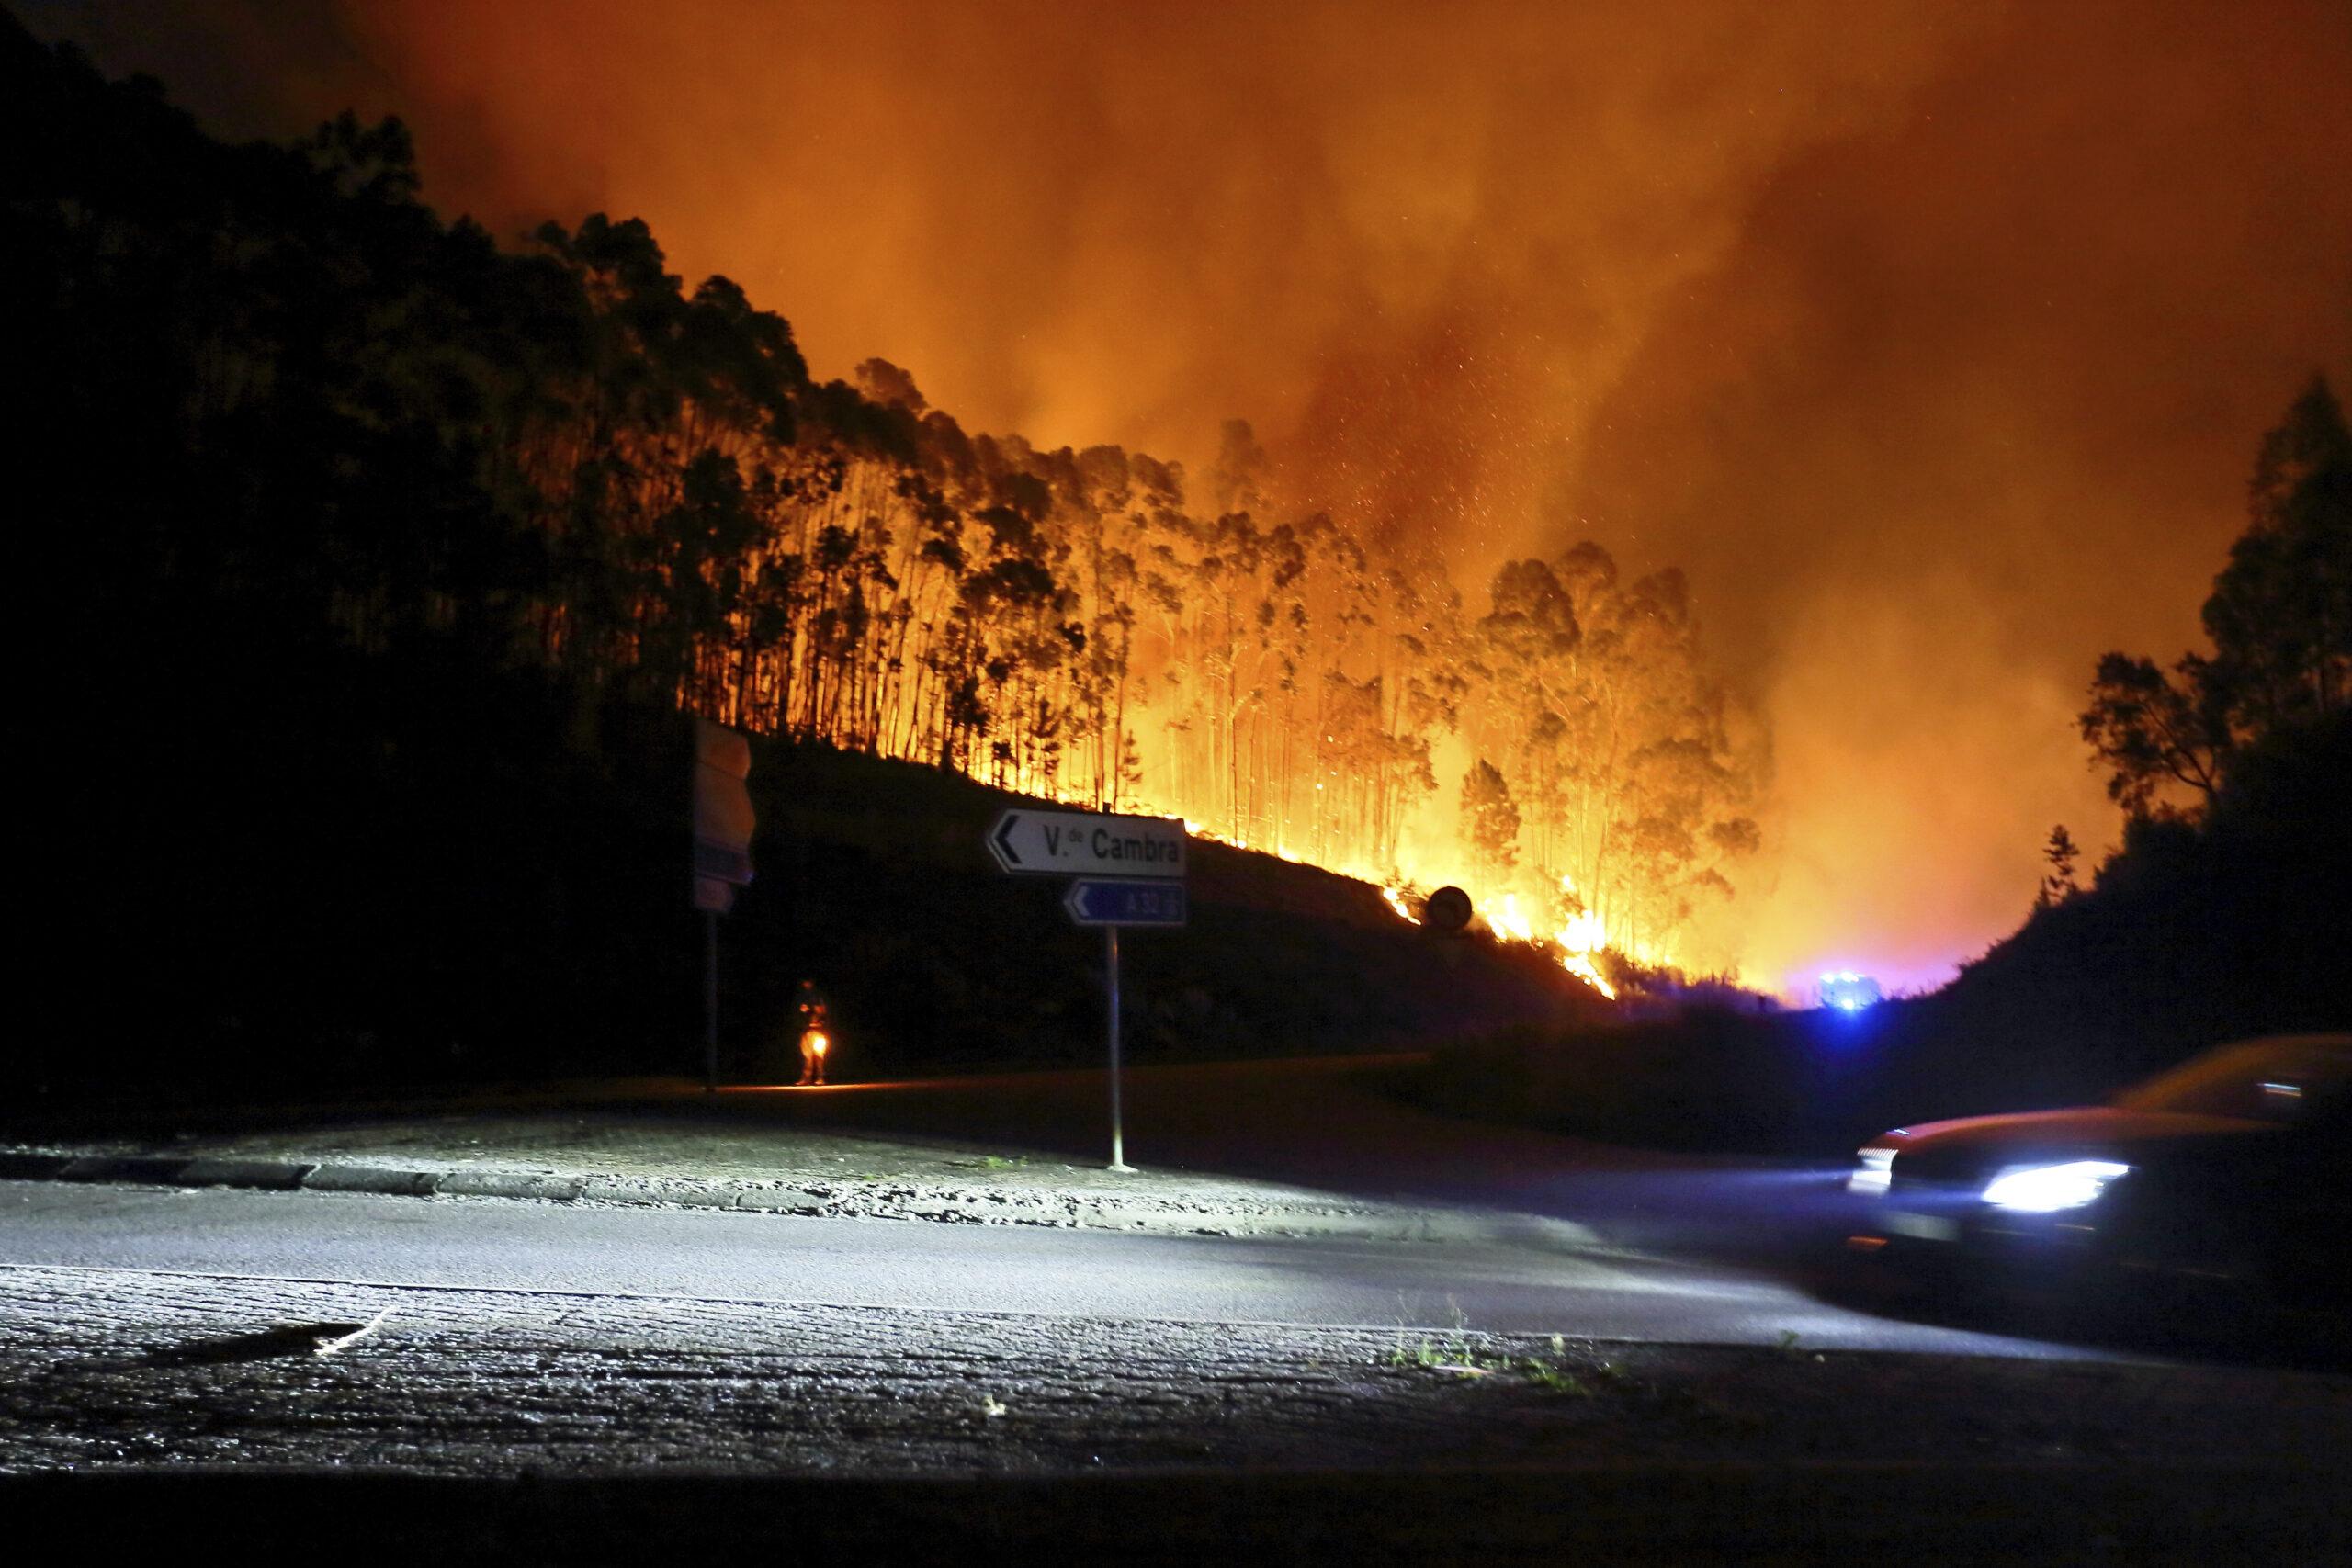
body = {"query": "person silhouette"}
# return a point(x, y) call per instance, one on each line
point(815, 1040)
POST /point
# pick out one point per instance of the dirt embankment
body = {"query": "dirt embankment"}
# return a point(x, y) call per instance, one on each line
point(874, 881)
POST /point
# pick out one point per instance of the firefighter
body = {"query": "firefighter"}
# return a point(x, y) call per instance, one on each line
point(815, 1040)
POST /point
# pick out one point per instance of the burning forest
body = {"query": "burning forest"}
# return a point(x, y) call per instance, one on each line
point(847, 566)
point(1692, 459)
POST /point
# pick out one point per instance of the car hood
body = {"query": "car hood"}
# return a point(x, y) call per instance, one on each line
point(1972, 1145)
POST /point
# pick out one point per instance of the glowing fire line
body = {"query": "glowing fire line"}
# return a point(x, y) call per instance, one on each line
point(1581, 940)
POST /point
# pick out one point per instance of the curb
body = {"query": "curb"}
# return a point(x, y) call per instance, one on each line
point(150, 1171)
point(370, 1178)
point(820, 1199)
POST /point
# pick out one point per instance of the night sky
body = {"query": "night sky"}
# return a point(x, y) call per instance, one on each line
point(1933, 340)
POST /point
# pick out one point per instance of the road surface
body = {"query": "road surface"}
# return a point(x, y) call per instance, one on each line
point(494, 1245)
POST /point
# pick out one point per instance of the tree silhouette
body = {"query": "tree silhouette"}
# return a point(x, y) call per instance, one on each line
point(2281, 621)
point(1490, 821)
point(2058, 883)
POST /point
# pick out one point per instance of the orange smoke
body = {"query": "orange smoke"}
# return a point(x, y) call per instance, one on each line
point(1931, 340)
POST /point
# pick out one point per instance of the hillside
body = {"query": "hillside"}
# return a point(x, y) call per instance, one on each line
point(875, 882)
point(369, 872)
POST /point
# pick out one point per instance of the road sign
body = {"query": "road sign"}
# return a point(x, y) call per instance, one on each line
point(1447, 910)
point(1130, 872)
point(1087, 843)
point(723, 820)
point(1095, 903)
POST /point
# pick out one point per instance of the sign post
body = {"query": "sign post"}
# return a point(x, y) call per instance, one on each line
point(1142, 863)
point(723, 824)
point(1111, 982)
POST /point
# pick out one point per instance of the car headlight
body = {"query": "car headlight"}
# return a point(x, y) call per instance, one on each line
point(1876, 1173)
point(2039, 1188)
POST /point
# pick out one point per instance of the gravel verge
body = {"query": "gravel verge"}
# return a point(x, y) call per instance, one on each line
point(503, 1425)
point(613, 1159)
point(118, 1368)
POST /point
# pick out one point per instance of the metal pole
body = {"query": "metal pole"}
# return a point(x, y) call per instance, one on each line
point(1111, 969)
point(710, 1002)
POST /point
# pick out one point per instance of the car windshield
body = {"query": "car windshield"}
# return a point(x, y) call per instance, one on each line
point(2261, 1080)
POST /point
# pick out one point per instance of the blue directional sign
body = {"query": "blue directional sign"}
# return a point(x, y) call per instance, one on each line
point(1092, 902)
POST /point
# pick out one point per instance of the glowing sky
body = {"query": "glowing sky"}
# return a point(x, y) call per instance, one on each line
point(1932, 339)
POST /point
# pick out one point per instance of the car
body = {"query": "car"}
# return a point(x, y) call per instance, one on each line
point(2224, 1183)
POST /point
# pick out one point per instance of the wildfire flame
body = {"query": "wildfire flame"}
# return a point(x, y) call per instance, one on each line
point(1583, 933)
point(1578, 962)
point(1509, 922)
point(1581, 940)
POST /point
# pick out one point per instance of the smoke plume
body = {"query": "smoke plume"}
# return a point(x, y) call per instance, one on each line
point(1933, 341)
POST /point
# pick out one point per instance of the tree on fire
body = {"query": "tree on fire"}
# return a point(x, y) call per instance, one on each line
point(2281, 623)
point(1490, 821)
point(1618, 742)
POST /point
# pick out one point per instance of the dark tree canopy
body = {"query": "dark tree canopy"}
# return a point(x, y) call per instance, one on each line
point(2281, 621)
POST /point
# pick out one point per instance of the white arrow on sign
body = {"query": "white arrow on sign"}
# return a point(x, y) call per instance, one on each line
point(1127, 902)
point(1087, 843)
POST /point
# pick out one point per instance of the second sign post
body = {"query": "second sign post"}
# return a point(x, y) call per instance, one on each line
point(1129, 871)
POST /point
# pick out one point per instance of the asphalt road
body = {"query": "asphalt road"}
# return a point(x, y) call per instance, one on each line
point(497, 1244)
